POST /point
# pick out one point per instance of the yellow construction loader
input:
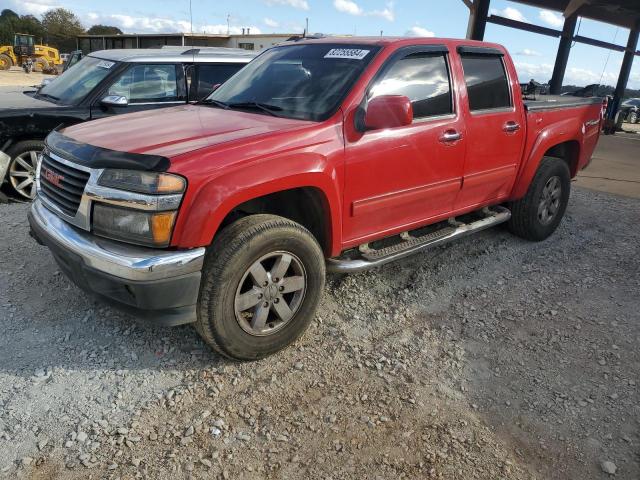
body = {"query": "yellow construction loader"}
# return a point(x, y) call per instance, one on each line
point(24, 50)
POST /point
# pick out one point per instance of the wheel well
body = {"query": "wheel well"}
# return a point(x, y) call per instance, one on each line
point(567, 151)
point(306, 206)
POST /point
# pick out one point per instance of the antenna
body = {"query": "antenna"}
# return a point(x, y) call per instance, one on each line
point(191, 17)
point(228, 23)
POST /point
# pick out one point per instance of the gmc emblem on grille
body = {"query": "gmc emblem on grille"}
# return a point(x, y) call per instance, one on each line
point(52, 177)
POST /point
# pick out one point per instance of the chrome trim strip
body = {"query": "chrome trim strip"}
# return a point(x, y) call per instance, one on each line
point(336, 265)
point(592, 123)
point(115, 258)
point(138, 201)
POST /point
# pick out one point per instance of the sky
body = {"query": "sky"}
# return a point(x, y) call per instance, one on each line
point(533, 54)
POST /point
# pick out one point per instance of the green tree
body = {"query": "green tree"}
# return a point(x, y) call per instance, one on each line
point(62, 27)
point(8, 25)
point(104, 30)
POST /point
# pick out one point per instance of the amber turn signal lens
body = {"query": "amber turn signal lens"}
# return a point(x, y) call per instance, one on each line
point(162, 226)
point(170, 184)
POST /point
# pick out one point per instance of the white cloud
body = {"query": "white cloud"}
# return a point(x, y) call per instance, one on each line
point(270, 22)
point(32, 7)
point(299, 4)
point(352, 8)
point(511, 13)
point(130, 24)
point(527, 52)
point(551, 18)
point(347, 6)
point(417, 31)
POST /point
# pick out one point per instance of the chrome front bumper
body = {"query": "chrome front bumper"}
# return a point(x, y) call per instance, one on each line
point(120, 260)
point(161, 286)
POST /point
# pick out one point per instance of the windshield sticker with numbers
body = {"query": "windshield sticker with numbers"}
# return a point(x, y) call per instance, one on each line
point(106, 64)
point(350, 53)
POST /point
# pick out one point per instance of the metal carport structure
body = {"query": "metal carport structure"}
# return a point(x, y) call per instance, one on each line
point(621, 13)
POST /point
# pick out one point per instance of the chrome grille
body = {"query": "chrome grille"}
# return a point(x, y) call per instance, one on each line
point(62, 185)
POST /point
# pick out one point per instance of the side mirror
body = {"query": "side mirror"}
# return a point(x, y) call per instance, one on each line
point(388, 111)
point(115, 101)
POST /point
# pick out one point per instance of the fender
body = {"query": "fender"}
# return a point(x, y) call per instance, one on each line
point(559, 132)
point(219, 196)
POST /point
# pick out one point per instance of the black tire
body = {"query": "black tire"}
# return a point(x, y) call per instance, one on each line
point(5, 62)
point(526, 220)
point(14, 152)
point(41, 65)
point(227, 263)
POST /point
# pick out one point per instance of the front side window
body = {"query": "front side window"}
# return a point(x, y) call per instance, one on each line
point(306, 82)
point(147, 83)
point(424, 78)
point(487, 84)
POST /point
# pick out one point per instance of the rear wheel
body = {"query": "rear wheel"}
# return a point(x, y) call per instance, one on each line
point(262, 281)
point(5, 62)
point(539, 212)
point(22, 167)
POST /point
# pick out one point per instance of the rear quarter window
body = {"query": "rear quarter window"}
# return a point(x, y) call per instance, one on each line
point(486, 80)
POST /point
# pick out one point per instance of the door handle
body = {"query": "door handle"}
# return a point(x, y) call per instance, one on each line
point(450, 136)
point(511, 127)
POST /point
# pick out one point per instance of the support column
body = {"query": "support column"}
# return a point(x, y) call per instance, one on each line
point(623, 79)
point(478, 19)
point(562, 57)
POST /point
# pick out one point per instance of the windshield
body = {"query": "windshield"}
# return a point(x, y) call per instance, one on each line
point(74, 84)
point(306, 82)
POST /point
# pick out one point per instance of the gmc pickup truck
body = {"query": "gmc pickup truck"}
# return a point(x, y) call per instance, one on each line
point(330, 154)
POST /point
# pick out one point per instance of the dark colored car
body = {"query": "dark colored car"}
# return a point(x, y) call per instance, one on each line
point(105, 83)
point(630, 110)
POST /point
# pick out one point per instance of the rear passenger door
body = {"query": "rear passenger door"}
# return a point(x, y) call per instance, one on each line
point(495, 128)
point(146, 87)
point(401, 177)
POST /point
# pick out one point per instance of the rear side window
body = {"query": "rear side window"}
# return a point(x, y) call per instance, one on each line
point(210, 75)
point(424, 78)
point(486, 79)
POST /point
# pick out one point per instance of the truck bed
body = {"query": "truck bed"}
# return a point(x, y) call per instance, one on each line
point(551, 102)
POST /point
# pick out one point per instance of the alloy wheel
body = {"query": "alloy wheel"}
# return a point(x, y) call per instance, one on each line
point(270, 293)
point(550, 200)
point(22, 174)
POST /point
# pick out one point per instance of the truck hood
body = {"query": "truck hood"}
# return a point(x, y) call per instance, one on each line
point(169, 132)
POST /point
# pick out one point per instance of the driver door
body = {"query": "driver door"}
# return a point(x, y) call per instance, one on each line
point(146, 87)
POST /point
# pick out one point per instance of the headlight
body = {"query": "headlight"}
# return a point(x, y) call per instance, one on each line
point(151, 229)
point(142, 182)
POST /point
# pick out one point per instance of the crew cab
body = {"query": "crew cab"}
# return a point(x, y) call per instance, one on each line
point(102, 84)
point(329, 154)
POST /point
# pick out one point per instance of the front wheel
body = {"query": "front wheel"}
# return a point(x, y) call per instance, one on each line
point(539, 212)
point(633, 117)
point(262, 281)
point(22, 167)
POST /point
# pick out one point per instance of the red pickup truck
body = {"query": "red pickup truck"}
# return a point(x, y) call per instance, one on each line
point(321, 154)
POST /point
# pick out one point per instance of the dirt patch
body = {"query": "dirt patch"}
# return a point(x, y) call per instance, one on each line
point(488, 358)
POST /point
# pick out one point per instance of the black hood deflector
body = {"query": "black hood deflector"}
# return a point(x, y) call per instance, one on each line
point(98, 157)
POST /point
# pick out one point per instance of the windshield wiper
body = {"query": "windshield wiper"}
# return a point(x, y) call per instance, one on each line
point(46, 95)
point(270, 109)
point(216, 103)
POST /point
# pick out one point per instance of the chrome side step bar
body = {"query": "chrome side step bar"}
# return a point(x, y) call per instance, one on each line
point(494, 216)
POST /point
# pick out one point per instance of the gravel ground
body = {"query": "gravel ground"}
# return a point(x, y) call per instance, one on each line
point(488, 358)
point(15, 76)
